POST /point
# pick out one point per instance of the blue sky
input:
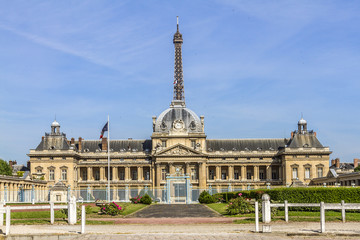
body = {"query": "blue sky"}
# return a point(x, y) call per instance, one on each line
point(250, 67)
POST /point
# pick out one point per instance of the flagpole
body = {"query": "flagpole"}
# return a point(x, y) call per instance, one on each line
point(108, 148)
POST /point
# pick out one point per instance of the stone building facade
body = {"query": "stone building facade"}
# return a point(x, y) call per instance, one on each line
point(179, 144)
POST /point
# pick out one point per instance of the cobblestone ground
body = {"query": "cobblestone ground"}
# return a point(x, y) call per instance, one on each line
point(188, 231)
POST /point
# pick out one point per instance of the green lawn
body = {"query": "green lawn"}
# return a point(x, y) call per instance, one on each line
point(43, 217)
point(294, 216)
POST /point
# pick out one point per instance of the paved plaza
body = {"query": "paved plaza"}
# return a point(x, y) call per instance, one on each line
point(176, 211)
point(183, 222)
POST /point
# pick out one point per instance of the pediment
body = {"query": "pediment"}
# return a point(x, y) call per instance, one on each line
point(179, 150)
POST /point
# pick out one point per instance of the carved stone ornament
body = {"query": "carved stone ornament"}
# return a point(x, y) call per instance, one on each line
point(163, 126)
point(192, 125)
point(180, 151)
point(178, 124)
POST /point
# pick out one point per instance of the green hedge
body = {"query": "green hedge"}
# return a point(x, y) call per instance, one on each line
point(301, 195)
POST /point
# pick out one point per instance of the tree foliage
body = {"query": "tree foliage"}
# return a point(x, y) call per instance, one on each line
point(5, 168)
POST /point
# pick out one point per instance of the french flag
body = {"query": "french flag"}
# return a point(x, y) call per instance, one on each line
point(105, 128)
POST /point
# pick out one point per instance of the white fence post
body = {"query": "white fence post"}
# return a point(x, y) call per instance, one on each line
point(2, 215)
point(52, 217)
point(7, 228)
point(343, 211)
point(72, 210)
point(83, 219)
point(322, 217)
point(266, 209)
point(286, 211)
point(256, 216)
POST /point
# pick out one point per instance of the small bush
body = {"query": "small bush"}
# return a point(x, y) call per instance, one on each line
point(239, 206)
point(111, 209)
point(88, 209)
point(146, 199)
point(205, 197)
point(136, 199)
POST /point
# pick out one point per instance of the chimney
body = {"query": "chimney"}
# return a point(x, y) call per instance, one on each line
point(292, 135)
point(337, 162)
point(72, 141)
point(356, 162)
point(80, 147)
point(315, 134)
point(10, 163)
point(332, 162)
point(42, 138)
point(104, 145)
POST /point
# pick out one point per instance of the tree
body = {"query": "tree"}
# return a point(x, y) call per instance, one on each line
point(5, 168)
point(357, 169)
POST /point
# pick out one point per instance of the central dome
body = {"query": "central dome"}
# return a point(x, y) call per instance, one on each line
point(178, 118)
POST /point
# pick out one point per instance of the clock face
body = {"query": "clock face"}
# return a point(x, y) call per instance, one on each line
point(178, 124)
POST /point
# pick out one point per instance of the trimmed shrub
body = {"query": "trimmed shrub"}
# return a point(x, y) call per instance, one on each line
point(146, 199)
point(302, 194)
point(112, 209)
point(239, 206)
point(205, 197)
point(136, 199)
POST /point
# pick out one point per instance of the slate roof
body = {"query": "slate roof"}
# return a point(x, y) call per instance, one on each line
point(305, 140)
point(117, 145)
point(246, 144)
point(45, 145)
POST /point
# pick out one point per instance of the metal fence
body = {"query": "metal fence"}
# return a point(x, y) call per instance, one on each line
point(118, 194)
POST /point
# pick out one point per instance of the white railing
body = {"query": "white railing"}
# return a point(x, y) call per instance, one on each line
point(266, 210)
point(71, 207)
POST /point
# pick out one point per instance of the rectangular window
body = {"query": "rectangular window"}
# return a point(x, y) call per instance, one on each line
point(261, 175)
point(193, 174)
point(223, 175)
point(64, 174)
point(51, 175)
point(236, 174)
point(147, 175)
point(96, 174)
point(307, 172)
point(248, 175)
point(274, 175)
point(163, 143)
point(163, 174)
point(134, 175)
point(320, 172)
point(122, 174)
point(211, 174)
point(295, 173)
point(193, 143)
point(38, 171)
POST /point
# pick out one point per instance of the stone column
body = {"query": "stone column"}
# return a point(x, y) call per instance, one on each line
point(158, 174)
point(152, 176)
point(16, 189)
point(187, 169)
point(171, 168)
point(140, 173)
point(280, 173)
point(115, 174)
point(89, 174)
point(2, 190)
point(79, 178)
point(218, 172)
point(127, 169)
point(11, 189)
point(202, 176)
point(231, 172)
point(243, 173)
point(102, 171)
point(268, 173)
point(256, 173)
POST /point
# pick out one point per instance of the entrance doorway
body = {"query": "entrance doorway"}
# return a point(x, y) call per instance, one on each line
point(178, 189)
